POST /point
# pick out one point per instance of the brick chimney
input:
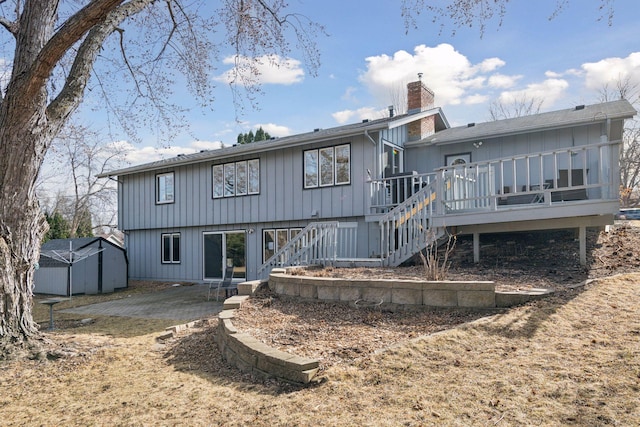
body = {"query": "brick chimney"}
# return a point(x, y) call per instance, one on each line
point(420, 98)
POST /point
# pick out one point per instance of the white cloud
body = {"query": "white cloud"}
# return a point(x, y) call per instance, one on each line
point(274, 130)
point(476, 99)
point(490, 64)
point(364, 113)
point(548, 91)
point(553, 75)
point(502, 81)
point(611, 70)
point(349, 94)
point(268, 69)
point(136, 155)
point(205, 145)
point(446, 71)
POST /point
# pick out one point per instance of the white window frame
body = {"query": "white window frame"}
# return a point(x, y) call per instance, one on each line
point(172, 240)
point(165, 193)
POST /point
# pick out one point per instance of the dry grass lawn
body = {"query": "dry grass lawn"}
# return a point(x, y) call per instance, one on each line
point(573, 359)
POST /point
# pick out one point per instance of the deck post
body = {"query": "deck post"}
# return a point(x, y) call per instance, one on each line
point(476, 248)
point(582, 236)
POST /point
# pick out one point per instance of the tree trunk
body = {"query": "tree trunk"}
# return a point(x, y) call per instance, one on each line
point(25, 135)
point(23, 142)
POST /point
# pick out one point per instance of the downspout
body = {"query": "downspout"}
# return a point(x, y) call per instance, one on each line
point(375, 144)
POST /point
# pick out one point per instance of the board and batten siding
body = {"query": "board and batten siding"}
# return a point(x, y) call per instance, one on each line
point(144, 249)
point(282, 196)
point(424, 159)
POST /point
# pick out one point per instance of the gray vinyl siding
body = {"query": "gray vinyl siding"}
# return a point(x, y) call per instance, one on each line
point(282, 196)
point(143, 249)
point(424, 159)
point(51, 280)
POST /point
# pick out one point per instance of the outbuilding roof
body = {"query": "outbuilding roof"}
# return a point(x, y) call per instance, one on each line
point(56, 251)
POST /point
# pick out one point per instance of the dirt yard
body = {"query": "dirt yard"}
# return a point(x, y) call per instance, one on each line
point(572, 359)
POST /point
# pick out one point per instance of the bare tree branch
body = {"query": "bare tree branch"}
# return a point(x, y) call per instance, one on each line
point(71, 94)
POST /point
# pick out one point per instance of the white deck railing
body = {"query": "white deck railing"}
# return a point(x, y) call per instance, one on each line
point(318, 243)
point(537, 179)
point(405, 229)
point(389, 192)
point(576, 173)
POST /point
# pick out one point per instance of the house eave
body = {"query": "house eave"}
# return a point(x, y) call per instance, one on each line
point(476, 132)
point(253, 148)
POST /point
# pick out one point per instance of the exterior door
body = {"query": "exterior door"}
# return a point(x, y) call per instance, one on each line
point(221, 249)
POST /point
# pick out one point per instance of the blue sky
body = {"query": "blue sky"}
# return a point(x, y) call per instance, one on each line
point(368, 56)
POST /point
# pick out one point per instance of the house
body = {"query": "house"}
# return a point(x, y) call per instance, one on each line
point(370, 193)
point(85, 265)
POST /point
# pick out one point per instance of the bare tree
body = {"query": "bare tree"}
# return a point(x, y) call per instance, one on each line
point(624, 87)
point(60, 49)
point(78, 155)
point(517, 107)
point(479, 13)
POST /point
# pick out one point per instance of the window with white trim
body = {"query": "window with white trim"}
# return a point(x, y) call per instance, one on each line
point(165, 188)
point(327, 166)
point(236, 179)
point(170, 248)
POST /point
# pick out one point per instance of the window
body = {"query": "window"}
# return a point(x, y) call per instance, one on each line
point(236, 179)
point(327, 166)
point(164, 188)
point(254, 176)
point(274, 240)
point(343, 164)
point(229, 179)
point(218, 181)
point(171, 248)
point(310, 168)
point(241, 178)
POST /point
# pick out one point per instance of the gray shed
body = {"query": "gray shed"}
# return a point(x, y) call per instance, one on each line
point(86, 265)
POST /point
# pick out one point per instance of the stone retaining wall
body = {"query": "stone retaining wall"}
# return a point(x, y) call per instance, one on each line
point(468, 294)
point(250, 355)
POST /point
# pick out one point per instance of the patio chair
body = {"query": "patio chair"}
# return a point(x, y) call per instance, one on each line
point(225, 284)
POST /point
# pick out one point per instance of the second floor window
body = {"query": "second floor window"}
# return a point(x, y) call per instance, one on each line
point(327, 166)
point(236, 179)
point(164, 188)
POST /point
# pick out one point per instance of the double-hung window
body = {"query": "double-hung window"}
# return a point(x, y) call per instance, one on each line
point(170, 248)
point(327, 166)
point(236, 178)
point(165, 188)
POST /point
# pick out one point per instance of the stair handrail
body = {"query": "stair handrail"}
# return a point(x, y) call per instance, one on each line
point(405, 226)
point(305, 243)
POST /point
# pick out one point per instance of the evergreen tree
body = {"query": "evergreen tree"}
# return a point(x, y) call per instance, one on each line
point(249, 137)
point(58, 227)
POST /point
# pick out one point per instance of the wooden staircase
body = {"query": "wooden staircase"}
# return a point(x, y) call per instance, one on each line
point(405, 230)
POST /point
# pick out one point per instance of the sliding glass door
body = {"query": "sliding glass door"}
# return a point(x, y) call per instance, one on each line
point(224, 248)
